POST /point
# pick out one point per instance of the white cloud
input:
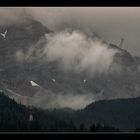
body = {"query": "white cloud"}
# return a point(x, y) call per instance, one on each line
point(74, 51)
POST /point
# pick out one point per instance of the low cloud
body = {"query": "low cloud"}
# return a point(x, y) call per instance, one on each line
point(73, 51)
point(47, 99)
point(62, 100)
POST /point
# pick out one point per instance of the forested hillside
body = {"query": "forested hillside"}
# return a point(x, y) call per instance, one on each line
point(14, 117)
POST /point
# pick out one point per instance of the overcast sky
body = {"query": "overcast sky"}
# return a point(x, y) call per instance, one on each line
point(111, 23)
point(114, 23)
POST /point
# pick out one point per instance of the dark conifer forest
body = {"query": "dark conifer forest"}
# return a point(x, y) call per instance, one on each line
point(14, 117)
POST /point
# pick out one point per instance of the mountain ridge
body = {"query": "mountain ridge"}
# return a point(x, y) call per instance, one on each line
point(16, 75)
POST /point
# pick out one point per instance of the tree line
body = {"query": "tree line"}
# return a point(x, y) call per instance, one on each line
point(14, 117)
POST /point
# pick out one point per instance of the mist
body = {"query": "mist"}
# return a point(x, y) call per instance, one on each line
point(62, 100)
point(10, 16)
point(73, 51)
point(51, 100)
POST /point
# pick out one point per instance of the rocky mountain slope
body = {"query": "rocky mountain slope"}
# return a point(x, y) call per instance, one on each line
point(16, 75)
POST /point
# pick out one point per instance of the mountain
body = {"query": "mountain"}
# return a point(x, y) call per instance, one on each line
point(121, 113)
point(16, 75)
point(137, 59)
point(14, 117)
point(123, 57)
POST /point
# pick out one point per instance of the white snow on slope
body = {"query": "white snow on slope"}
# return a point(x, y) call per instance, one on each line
point(33, 83)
